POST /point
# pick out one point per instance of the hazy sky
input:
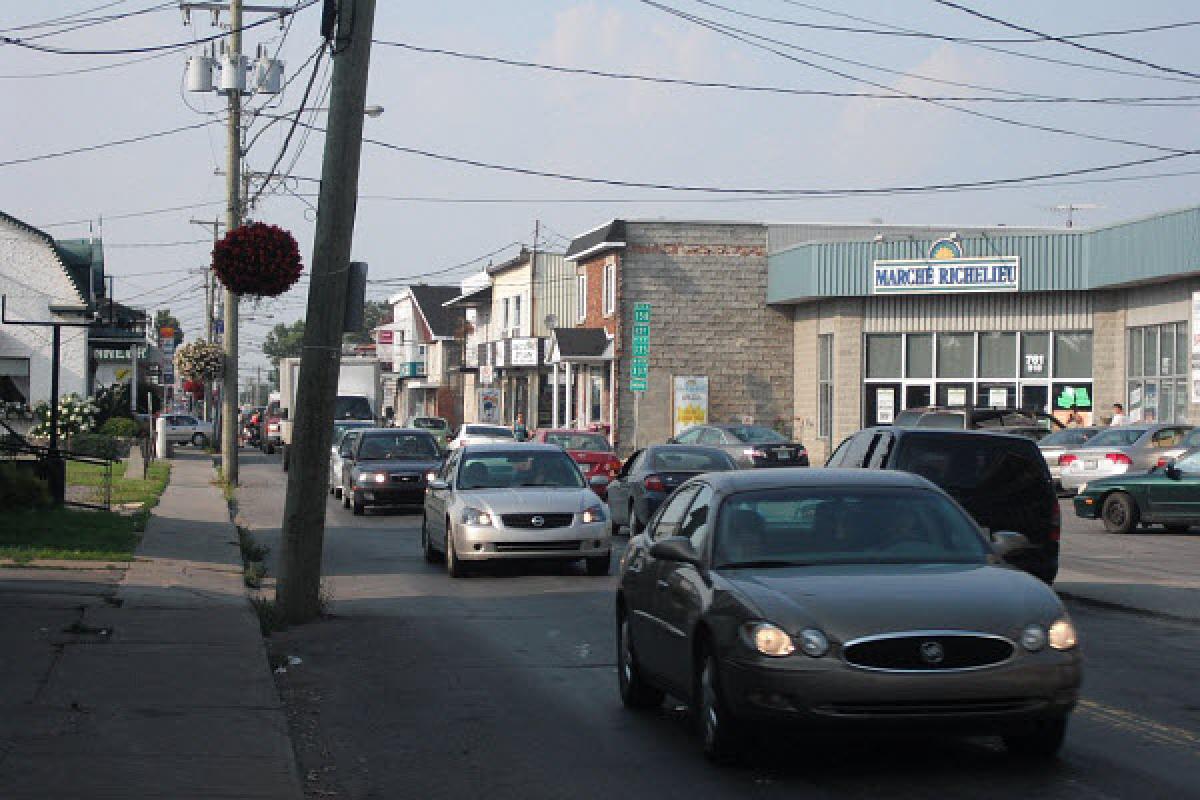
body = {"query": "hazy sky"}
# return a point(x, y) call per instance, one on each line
point(597, 127)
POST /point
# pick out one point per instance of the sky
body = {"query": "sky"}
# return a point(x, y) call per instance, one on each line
point(418, 215)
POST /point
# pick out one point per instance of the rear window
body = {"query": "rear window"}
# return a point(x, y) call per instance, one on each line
point(971, 462)
point(489, 430)
point(429, 423)
point(593, 442)
point(405, 446)
point(1116, 437)
point(756, 434)
point(351, 407)
point(1068, 438)
point(945, 422)
point(687, 459)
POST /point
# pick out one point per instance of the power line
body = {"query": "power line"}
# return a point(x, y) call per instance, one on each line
point(93, 147)
point(1167, 101)
point(1069, 43)
point(132, 214)
point(462, 265)
point(90, 23)
point(158, 244)
point(73, 15)
point(96, 68)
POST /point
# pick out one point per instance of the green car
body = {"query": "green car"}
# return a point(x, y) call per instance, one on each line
point(437, 426)
point(1168, 495)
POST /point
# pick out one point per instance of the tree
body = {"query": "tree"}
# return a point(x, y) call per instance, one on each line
point(164, 319)
point(284, 341)
point(375, 313)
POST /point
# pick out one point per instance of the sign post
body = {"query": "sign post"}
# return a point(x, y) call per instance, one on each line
point(639, 363)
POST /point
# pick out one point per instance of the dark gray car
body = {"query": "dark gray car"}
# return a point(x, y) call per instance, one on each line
point(748, 445)
point(649, 476)
point(840, 598)
point(387, 467)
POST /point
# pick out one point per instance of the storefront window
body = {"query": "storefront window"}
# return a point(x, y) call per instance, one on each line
point(1073, 355)
point(1135, 352)
point(883, 356)
point(997, 355)
point(1158, 365)
point(919, 355)
point(955, 355)
point(1150, 352)
point(1166, 350)
point(825, 385)
point(1035, 355)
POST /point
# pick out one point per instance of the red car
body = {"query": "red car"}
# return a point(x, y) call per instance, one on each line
point(591, 451)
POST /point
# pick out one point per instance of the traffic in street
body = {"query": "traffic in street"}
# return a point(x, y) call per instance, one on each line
point(419, 684)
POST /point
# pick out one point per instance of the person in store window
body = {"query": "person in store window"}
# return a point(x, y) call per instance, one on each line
point(1119, 417)
point(520, 432)
point(1075, 419)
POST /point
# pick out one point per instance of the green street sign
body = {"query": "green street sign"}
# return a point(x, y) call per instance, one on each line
point(639, 366)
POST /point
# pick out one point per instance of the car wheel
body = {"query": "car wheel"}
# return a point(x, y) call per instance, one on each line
point(635, 692)
point(358, 507)
point(1120, 513)
point(431, 555)
point(718, 729)
point(454, 567)
point(1042, 741)
point(598, 565)
point(345, 499)
point(199, 440)
point(635, 524)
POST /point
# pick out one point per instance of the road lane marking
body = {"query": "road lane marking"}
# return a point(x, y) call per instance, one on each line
point(1143, 726)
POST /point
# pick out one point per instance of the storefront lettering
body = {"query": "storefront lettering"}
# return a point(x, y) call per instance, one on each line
point(960, 274)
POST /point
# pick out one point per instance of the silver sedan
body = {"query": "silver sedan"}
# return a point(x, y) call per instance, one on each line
point(498, 501)
point(1119, 451)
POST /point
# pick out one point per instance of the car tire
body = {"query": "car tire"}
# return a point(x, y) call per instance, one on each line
point(634, 690)
point(719, 734)
point(454, 567)
point(431, 555)
point(597, 566)
point(1042, 741)
point(199, 440)
point(1120, 513)
point(358, 507)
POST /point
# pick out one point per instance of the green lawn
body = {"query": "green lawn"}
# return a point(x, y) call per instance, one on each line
point(73, 534)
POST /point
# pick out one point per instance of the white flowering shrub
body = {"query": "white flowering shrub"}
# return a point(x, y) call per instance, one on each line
point(199, 361)
point(75, 415)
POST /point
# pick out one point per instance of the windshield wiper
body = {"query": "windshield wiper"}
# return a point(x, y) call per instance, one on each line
point(766, 563)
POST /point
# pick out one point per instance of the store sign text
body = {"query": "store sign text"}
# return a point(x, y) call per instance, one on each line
point(920, 276)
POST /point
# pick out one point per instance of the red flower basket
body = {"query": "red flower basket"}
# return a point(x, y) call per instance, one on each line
point(257, 259)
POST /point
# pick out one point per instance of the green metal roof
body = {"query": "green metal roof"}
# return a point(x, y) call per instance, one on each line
point(81, 259)
point(1156, 248)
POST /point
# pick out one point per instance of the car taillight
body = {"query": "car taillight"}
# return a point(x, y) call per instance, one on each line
point(754, 452)
point(1118, 458)
point(1067, 458)
point(1162, 462)
point(653, 483)
point(1056, 523)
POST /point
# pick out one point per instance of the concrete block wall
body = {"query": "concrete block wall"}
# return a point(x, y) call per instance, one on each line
point(1109, 354)
point(846, 317)
point(707, 284)
point(806, 323)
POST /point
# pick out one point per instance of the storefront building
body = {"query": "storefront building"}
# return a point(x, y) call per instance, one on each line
point(1057, 321)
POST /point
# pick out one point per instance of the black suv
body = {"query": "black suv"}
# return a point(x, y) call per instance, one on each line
point(1033, 424)
point(1002, 481)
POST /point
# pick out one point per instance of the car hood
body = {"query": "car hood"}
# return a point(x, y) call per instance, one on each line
point(529, 499)
point(399, 465)
point(860, 600)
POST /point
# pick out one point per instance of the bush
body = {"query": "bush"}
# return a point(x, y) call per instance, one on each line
point(96, 445)
point(124, 427)
point(21, 490)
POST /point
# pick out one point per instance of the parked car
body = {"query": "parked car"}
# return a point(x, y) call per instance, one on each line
point(494, 501)
point(748, 445)
point(650, 475)
point(189, 429)
point(437, 426)
point(840, 598)
point(1121, 450)
point(270, 421)
point(387, 467)
point(1190, 440)
point(474, 433)
point(591, 451)
point(1034, 424)
point(1167, 495)
point(340, 432)
point(1055, 445)
point(1001, 480)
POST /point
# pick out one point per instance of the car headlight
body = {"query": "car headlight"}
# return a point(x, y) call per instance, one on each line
point(1033, 638)
point(593, 514)
point(1062, 635)
point(373, 477)
point(768, 639)
point(475, 516)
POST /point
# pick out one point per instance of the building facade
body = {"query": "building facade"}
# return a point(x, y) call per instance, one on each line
point(425, 350)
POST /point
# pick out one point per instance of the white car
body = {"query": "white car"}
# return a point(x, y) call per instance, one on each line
point(475, 433)
point(186, 428)
point(491, 502)
point(346, 431)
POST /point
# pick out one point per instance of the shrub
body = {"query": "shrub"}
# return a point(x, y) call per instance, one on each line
point(125, 427)
point(21, 490)
point(96, 445)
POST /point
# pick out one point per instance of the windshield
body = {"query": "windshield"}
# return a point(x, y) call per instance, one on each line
point(398, 446)
point(689, 459)
point(352, 407)
point(511, 469)
point(756, 434)
point(1116, 437)
point(494, 431)
point(429, 423)
point(580, 441)
point(809, 527)
point(1068, 438)
point(339, 429)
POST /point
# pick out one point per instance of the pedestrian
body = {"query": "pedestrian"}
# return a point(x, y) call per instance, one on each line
point(1074, 419)
point(520, 432)
point(1118, 417)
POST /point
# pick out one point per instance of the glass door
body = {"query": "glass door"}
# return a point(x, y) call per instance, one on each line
point(1035, 397)
point(918, 395)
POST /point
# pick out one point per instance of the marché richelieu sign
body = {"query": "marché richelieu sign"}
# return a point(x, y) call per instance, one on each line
point(946, 270)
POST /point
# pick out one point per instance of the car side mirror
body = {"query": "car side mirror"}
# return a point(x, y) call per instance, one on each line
point(676, 548)
point(598, 481)
point(437, 485)
point(1008, 543)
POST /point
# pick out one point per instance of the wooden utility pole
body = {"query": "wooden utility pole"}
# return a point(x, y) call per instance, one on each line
point(233, 218)
point(312, 429)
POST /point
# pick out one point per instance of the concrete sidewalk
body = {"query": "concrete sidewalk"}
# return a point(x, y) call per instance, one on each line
point(154, 687)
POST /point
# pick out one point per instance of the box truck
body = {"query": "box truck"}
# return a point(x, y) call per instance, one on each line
point(359, 395)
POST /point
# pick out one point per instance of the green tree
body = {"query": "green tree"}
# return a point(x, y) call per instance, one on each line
point(163, 319)
point(375, 313)
point(284, 341)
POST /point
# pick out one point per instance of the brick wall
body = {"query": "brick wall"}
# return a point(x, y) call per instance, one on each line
point(593, 268)
point(707, 284)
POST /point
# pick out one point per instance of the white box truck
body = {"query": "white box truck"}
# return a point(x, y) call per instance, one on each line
point(359, 395)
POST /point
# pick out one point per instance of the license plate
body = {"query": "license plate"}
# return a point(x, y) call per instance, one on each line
point(1089, 465)
point(783, 454)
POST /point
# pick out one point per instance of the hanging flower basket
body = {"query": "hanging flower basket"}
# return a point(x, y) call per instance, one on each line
point(198, 361)
point(194, 388)
point(257, 259)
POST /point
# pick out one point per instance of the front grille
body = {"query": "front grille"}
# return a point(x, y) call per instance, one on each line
point(928, 652)
point(930, 707)
point(534, 547)
point(396, 478)
point(527, 520)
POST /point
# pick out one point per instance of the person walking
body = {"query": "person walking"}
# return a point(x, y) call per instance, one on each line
point(520, 432)
point(1119, 417)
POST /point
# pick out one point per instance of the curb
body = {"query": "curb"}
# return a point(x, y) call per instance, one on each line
point(1110, 605)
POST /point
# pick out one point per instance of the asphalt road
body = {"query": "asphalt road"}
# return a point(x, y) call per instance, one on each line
point(502, 685)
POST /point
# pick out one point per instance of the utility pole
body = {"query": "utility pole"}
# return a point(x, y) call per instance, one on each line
point(304, 510)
